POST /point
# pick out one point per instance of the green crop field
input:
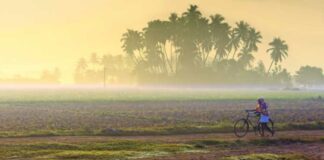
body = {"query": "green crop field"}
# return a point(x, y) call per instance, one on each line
point(147, 112)
point(49, 113)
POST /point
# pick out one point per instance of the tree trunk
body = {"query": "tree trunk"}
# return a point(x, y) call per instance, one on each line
point(215, 57)
point(206, 58)
point(171, 57)
point(270, 67)
point(164, 59)
point(140, 54)
point(167, 58)
point(133, 57)
point(104, 74)
point(234, 54)
point(227, 56)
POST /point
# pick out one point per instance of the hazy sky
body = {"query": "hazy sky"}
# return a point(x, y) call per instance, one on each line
point(38, 34)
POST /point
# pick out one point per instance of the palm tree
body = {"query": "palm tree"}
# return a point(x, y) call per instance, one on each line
point(94, 59)
point(220, 33)
point(254, 37)
point(192, 13)
point(133, 41)
point(172, 30)
point(278, 51)
point(173, 18)
point(242, 30)
point(203, 42)
point(82, 64)
point(156, 32)
point(234, 43)
point(245, 58)
point(190, 36)
point(260, 68)
point(240, 34)
point(105, 59)
point(106, 63)
point(80, 70)
point(155, 37)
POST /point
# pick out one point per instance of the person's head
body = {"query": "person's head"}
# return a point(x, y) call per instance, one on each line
point(260, 100)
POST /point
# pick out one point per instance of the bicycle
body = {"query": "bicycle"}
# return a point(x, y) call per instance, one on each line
point(242, 126)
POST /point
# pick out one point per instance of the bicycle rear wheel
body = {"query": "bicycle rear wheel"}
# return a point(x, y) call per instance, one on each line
point(241, 127)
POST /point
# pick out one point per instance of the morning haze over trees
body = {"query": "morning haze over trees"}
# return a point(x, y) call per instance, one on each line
point(193, 49)
point(45, 77)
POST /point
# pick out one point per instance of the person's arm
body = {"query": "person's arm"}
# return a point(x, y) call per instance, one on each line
point(264, 111)
point(258, 109)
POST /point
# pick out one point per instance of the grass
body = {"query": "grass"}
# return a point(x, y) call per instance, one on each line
point(144, 131)
point(267, 157)
point(136, 149)
point(205, 143)
point(116, 149)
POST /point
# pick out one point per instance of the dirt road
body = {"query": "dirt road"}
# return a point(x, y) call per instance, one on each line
point(315, 135)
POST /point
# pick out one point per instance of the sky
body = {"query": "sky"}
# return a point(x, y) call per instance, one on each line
point(43, 34)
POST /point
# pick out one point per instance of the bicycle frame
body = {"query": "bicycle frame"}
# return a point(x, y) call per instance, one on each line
point(249, 121)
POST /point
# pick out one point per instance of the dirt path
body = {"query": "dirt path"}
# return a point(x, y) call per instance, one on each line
point(315, 135)
point(314, 150)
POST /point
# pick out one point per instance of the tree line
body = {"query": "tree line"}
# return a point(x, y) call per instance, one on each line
point(105, 68)
point(47, 76)
point(191, 48)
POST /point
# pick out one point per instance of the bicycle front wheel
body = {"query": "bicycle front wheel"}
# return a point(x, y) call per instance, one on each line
point(241, 127)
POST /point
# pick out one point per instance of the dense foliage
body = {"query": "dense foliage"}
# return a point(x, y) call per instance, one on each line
point(193, 49)
point(308, 75)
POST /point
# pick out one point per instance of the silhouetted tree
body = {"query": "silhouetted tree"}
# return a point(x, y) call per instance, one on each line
point(281, 76)
point(245, 58)
point(191, 44)
point(48, 76)
point(193, 24)
point(240, 35)
point(132, 43)
point(260, 68)
point(308, 75)
point(220, 36)
point(82, 64)
point(278, 51)
point(254, 38)
point(94, 60)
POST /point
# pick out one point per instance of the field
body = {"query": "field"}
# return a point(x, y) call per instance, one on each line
point(154, 124)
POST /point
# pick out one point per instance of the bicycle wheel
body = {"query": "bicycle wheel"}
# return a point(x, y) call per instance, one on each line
point(241, 127)
point(266, 132)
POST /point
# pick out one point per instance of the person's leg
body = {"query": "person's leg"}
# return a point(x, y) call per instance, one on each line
point(268, 128)
point(272, 124)
point(262, 129)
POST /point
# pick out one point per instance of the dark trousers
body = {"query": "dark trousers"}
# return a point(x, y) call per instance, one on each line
point(265, 126)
